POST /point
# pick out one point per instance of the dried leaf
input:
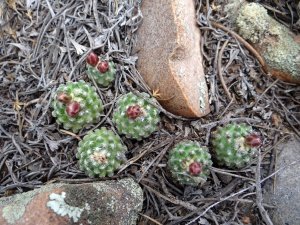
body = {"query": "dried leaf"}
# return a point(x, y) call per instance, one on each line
point(12, 4)
point(80, 49)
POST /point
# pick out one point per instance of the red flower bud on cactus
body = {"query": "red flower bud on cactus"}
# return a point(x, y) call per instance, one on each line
point(92, 59)
point(73, 109)
point(134, 111)
point(64, 98)
point(253, 140)
point(195, 168)
point(103, 67)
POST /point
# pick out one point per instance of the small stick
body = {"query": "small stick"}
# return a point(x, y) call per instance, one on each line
point(149, 218)
point(220, 70)
point(245, 43)
point(261, 208)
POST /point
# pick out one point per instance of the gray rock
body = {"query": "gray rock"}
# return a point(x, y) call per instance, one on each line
point(286, 195)
point(108, 202)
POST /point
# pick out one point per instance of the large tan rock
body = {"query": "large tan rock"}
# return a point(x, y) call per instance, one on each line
point(169, 59)
point(101, 203)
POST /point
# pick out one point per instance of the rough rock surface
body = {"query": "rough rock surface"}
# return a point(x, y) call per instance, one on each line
point(286, 195)
point(275, 43)
point(169, 58)
point(109, 202)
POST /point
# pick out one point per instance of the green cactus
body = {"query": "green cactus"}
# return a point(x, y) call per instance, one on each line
point(100, 153)
point(189, 163)
point(76, 105)
point(136, 117)
point(103, 72)
point(235, 145)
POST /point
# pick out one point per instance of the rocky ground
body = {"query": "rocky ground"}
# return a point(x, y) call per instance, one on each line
point(45, 43)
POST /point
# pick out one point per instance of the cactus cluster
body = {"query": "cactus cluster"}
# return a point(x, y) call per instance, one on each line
point(100, 153)
point(235, 145)
point(102, 71)
point(76, 105)
point(135, 117)
point(189, 163)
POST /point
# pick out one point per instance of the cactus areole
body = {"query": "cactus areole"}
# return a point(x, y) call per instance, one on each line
point(134, 112)
point(92, 59)
point(103, 67)
point(195, 168)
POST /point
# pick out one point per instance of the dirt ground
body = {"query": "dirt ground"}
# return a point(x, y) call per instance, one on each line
point(45, 43)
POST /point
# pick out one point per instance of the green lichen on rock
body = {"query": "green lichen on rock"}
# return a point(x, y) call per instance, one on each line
point(58, 205)
point(189, 163)
point(100, 153)
point(235, 145)
point(284, 53)
point(278, 48)
point(76, 105)
point(14, 206)
point(135, 117)
point(253, 22)
point(13, 212)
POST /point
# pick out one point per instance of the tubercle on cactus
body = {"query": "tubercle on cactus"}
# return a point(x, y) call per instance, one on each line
point(253, 140)
point(195, 168)
point(134, 111)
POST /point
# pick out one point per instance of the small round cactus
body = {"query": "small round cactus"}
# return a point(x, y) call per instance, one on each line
point(189, 163)
point(76, 105)
point(135, 117)
point(100, 153)
point(235, 145)
point(103, 72)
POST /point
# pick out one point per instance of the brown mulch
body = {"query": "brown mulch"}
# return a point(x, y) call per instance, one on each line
point(44, 44)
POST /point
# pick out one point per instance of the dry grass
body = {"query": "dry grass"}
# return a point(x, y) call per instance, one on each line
point(46, 44)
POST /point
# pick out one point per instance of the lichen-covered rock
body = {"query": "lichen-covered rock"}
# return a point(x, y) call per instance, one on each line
point(107, 202)
point(100, 153)
point(135, 117)
point(76, 105)
point(275, 42)
point(189, 163)
point(102, 71)
point(235, 145)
